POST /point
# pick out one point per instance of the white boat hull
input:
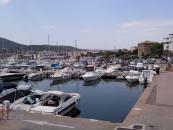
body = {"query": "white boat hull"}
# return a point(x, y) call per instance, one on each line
point(90, 78)
point(62, 108)
point(36, 78)
point(132, 79)
point(13, 94)
point(142, 81)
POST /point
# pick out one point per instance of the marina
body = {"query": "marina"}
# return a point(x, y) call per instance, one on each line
point(147, 97)
point(86, 65)
point(106, 91)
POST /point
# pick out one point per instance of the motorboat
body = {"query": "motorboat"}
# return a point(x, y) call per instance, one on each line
point(78, 72)
point(90, 68)
point(12, 91)
point(133, 76)
point(111, 72)
point(6, 77)
point(122, 76)
point(90, 76)
point(139, 66)
point(35, 76)
point(57, 102)
point(100, 70)
point(67, 70)
point(79, 65)
point(60, 76)
point(112, 69)
point(132, 64)
point(146, 76)
point(27, 102)
point(24, 65)
point(56, 66)
point(74, 72)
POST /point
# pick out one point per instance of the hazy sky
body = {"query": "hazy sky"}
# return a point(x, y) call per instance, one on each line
point(101, 24)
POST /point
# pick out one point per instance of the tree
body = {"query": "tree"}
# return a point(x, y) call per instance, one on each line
point(157, 50)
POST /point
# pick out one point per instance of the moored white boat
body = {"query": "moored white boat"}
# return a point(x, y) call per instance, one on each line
point(6, 77)
point(74, 72)
point(100, 70)
point(27, 102)
point(56, 102)
point(60, 76)
point(7, 89)
point(146, 76)
point(139, 66)
point(35, 76)
point(133, 76)
point(90, 76)
point(112, 72)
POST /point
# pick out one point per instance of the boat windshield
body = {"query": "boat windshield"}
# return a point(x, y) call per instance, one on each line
point(32, 99)
point(66, 97)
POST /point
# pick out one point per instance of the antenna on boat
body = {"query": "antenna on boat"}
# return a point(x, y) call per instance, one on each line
point(57, 43)
point(76, 47)
point(48, 41)
point(30, 42)
point(75, 41)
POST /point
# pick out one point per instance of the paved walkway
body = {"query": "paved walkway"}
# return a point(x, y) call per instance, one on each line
point(157, 114)
point(33, 121)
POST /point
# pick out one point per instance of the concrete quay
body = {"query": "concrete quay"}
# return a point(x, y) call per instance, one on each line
point(34, 121)
point(154, 108)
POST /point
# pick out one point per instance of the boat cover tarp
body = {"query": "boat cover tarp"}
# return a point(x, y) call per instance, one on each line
point(56, 66)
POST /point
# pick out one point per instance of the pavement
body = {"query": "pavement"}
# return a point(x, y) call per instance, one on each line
point(154, 109)
point(34, 121)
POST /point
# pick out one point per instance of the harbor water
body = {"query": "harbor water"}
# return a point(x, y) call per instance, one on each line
point(109, 100)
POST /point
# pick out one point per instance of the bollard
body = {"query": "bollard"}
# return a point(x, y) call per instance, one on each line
point(6, 106)
point(145, 82)
point(158, 71)
point(1, 111)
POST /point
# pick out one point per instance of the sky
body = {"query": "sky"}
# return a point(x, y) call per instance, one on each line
point(94, 24)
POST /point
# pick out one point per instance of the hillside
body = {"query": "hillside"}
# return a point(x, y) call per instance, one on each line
point(5, 43)
point(8, 44)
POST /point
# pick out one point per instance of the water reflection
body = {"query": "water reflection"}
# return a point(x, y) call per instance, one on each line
point(108, 80)
point(131, 85)
point(56, 82)
point(91, 83)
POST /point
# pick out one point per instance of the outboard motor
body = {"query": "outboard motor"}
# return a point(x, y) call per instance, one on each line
point(145, 82)
point(25, 77)
point(158, 71)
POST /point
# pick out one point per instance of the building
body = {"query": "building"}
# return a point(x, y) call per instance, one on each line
point(144, 48)
point(168, 43)
point(28, 56)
